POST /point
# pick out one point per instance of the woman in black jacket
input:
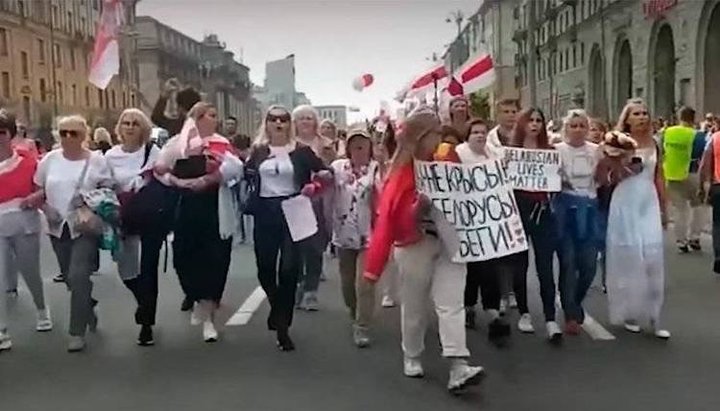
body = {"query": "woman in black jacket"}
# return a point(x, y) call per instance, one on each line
point(278, 168)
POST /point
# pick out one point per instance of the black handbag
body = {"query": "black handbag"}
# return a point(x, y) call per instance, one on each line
point(152, 209)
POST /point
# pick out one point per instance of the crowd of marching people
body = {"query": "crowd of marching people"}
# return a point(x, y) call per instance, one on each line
point(126, 198)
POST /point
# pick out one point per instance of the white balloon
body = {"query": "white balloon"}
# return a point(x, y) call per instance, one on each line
point(358, 84)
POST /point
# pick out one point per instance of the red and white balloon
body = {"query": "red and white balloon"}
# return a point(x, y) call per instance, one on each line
point(362, 82)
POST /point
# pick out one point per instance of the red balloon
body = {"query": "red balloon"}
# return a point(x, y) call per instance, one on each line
point(368, 79)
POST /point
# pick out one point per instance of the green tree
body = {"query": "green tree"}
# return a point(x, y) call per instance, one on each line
point(480, 105)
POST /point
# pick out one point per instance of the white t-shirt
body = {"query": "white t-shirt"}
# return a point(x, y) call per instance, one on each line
point(126, 167)
point(352, 209)
point(277, 174)
point(468, 156)
point(578, 167)
point(59, 177)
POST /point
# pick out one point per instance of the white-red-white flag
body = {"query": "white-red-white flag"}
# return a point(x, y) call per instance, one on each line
point(425, 82)
point(477, 73)
point(106, 52)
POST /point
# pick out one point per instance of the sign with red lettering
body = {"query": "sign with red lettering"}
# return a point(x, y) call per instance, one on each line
point(656, 9)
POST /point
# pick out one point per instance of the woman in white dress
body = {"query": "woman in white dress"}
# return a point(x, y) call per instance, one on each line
point(635, 266)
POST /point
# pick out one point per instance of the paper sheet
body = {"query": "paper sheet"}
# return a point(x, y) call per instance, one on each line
point(300, 217)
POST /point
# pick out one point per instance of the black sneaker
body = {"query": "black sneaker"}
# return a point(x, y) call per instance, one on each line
point(59, 278)
point(284, 342)
point(186, 305)
point(145, 339)
point(716, 267)
point(683, 247)
point(470, 318)
point(695, 245)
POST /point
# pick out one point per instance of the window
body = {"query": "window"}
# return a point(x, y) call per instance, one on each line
point(24, 65)
point(6, 84)
point(100, 98)
point(582, 53)
point(567, 58)
point(132, 100)
point(43, 90)
point(41, 51)
point(21, 8)
point(57, 55)
point(114, 102)
point(55, 15)
point(574, 54)
point(3, 42)
point(74, 95)
point(60, 92)
point(72, 59)
point(87, 96)
point(70, 22)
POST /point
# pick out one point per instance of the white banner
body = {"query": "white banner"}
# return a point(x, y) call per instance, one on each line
point(533, 170)
point(478, 201)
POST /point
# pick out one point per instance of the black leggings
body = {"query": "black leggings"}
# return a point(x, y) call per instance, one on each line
point(279, 280)
point(489, 277)
point(145, 286)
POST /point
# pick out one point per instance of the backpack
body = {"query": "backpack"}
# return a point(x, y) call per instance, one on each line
point(152, 209)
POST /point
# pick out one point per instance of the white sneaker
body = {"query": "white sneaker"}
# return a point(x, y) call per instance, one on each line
point(196, 316)
point(44, 322)
point(525, 324)
point(361, 337)
point(662, 334)
point(553, 331)
point(76, 344)
point(413, 368)
point(310, 301)
point(462, 375)
point(512, 301)
point(388, 302)
point(633, 328)
point(210, 334)
point(5, 342)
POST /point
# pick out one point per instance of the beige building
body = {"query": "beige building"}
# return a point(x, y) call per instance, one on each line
point(45, 51)
point(165, 53)
point(598, 53)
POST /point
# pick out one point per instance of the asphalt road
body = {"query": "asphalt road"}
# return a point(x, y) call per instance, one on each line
point(245, 371)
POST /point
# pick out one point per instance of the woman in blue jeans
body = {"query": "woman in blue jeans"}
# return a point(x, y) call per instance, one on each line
point(577, 215)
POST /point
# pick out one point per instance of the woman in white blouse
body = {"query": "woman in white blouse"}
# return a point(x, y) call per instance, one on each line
point(131, 163)
point(62, 175)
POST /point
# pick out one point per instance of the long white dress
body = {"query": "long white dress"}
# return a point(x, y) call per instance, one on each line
point(635, 262)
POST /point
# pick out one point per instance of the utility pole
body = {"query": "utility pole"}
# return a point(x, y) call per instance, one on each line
point(532, 66)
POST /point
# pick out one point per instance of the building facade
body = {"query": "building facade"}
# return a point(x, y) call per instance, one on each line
point(489, 30)
point(164, 53)
point(279, 87)
point(45, 52)
point(337, 114)
point(597, 54)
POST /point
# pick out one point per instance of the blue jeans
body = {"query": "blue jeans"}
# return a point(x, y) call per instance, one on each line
point(578, 219)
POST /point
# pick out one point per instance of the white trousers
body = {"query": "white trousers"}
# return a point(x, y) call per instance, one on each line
point(690, 215)
point(20, 253)
point(428, 276)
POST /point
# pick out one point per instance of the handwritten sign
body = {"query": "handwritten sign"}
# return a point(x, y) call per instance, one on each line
point(533, 170)
point(478, 201)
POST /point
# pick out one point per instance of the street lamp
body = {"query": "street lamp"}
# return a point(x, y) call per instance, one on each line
point(457, 17)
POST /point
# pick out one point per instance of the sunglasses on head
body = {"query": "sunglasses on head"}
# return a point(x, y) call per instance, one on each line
point(284, 118)
point(69, 133)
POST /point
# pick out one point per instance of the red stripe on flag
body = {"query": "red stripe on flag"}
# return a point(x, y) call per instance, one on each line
point(477, 69)
point(427, 79)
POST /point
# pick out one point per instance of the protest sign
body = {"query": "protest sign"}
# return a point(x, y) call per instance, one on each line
point(533, 170)
point(478, 201)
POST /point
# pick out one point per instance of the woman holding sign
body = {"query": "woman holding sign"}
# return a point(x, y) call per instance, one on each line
point(539, 224)
point(635, 266)
point(484, 275)
point(279, 168)
point(426, 269)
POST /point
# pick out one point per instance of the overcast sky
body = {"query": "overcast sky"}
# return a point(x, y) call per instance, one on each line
point(333, 40)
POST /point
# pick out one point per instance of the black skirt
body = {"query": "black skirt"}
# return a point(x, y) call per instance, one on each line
point(201, 258)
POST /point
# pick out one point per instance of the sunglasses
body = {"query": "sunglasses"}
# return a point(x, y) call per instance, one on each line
point(69, 133)
point(284, 118)
point(131, 123)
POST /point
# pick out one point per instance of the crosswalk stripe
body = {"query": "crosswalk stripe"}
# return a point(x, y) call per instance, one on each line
point(243, 315)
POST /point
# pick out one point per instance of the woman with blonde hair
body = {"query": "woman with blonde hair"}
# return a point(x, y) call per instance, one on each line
point(131, 163)
point(279, 168)
point(200, 163)
point(102, 140)
point(306, 125)
point(64, 175)
point(637, 216)
point(405, 219)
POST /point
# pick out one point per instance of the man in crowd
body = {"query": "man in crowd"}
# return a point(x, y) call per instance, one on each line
point(506, 111)
point(241, 142)
point(173, 105)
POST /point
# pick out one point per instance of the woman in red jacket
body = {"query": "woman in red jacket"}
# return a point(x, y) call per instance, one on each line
point(427, 272)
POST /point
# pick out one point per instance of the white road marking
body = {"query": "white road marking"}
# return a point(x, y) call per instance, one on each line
point(243, 315)
point(593, 328)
